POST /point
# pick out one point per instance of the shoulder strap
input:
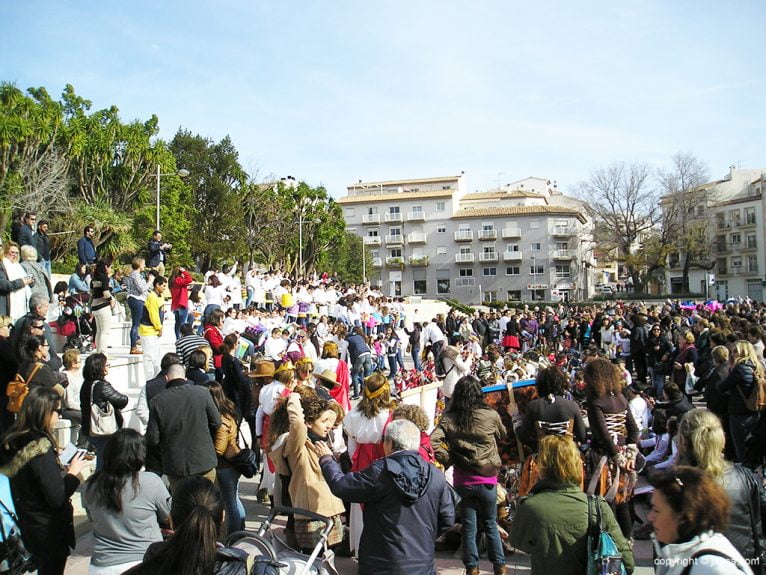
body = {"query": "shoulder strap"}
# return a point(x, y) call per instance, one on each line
point(35, 369)
point(687, 570)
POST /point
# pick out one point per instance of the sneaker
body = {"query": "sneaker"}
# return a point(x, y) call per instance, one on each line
point(135, 351)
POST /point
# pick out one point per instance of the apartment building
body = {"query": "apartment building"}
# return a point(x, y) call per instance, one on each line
point(734, 213)
point(428, 237)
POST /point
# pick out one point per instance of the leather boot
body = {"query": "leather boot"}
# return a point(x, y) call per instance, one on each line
point(500, 569)
point(472, 570)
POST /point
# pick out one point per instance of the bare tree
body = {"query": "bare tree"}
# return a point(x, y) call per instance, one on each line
point(625, 208)
point(684, 202)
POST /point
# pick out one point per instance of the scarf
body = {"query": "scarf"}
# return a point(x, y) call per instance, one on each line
point(18, 300)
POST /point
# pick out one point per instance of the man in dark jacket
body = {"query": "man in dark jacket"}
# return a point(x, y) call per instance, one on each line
point(182, 421)
point(86, 249)
point(27, 231)
point(43, 245)
point(407, 504)
point(157, 256)
point(361, 360)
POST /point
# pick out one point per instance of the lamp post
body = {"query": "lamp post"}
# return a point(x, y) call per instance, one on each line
point(182, 173)
point(301, 207)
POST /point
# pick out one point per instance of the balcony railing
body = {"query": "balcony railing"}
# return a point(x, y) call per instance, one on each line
point(377, 262)
point(395, 261)
point(393, 217)
point(371, 219)
point(464, 236)
point(464, 258)
point(563, 254)
point(464, 282)
point(418, 260)
point(488, 257)
point(394, 240)
point(372, 240)
point(487, 234)
point(416, 238)
point(416, 216)
point(511, 256)
point(563, 231)
point(511, 233)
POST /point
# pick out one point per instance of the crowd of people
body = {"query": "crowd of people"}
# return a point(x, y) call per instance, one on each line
point(599, 399)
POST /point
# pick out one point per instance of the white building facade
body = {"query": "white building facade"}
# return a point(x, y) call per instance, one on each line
point(430, 238)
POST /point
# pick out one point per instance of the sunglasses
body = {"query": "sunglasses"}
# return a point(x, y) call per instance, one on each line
point(59, 410)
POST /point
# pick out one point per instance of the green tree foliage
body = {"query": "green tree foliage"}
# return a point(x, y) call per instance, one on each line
point(346, 259)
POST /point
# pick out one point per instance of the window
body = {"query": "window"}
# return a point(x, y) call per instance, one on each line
point(514, 294)
point(372, 233)
point(441, 206)
point(464, 227)
point(512, 248)
point(349, 212)
point(562, 246)
point(751, 241)
point(490, 296)
point(490, 250)
point(752, 263)
point(375, 253)
point(734, 217)
point(393, 210)
point(536, 270)
point(441, 250)
point(442, 281)
point(417, 209)
point(395, 252)
point(489, 272)
point(736, 261)
point(534, 224)
point(749, 215)
point(512, 271)
point(563, 270)
point(441, 229)
point(464, 250)
point(465, 272)
point(487, 227)
point(535, 246)
point(394, 231)
point(370, 211)
point(419, 283)
point(721, 266)
point(736, 240)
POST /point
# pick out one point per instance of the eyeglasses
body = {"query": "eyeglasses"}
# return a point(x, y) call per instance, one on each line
point(13, 253)
point(59, 410)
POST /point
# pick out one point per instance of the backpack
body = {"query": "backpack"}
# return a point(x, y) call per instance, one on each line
point(756, 401)
point(18, 389)
point(604, 558)
point(14, 557)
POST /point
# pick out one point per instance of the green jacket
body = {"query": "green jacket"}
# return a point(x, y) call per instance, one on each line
point(551, 525)
point(473, 449)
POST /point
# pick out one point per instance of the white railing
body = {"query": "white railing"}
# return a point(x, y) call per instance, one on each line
point(371, 219)
point(396, 239)
point(416, 238)
point(464, 235)
point(512, 256)
point(488, 257)
point(487, 234)
point(393, 217)
point(464, 258)
point(511, 232)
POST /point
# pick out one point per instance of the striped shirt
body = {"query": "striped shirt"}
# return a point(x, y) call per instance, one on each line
point(189, 343)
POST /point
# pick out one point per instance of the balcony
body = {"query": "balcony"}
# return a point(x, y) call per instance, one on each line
point(464, 236)
point(747, 223)
point(416, 238)
point(393, 218)
point(511, 233)
point(464, 282)
point(511, 256)
point(372, 240)
point(377, 262)
point(416, 216)
point(487, 234)
point(562, 231)
point(563, 254)
point(395, 261)
point(750, 245)
point(418, 260)
point(394, 240)
point(488, 257)
point(371, 219)
point(464, 258)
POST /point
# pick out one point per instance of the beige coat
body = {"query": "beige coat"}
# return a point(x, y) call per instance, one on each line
point(226, 441)
point(308, 489)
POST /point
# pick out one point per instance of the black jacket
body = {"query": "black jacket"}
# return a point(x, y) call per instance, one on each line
point(748, 506)
point(236, 385)
point(407, 504)
point(103, 393)
point(43, 247)
point(738, 384)
point(182, 420)
point(154, 387)
point(41, 495)
point(541, 409)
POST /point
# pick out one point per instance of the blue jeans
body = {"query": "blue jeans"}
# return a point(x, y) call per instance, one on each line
point(136, 311)
point(658, 382)
point(479, 502)
point(415, 351)
point(47, 266)
point(182, 317)
point(228, 482)
point(98, 443)
point(394, 361)
point(361, 368)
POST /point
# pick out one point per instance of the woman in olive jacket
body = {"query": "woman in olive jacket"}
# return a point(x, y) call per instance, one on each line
point(41, 492)
point(97, 390)
point(467, 437)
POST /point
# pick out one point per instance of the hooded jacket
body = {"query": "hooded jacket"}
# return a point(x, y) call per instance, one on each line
point(673, 559)
point(407, 504)
point(41, 494)
point(473, 449)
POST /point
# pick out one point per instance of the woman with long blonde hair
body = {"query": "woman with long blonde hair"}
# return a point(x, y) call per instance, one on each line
point(746, 370)
point(701, 443)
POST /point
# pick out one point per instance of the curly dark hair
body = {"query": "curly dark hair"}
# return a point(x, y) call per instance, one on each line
point(413, 413)
point(601, 378)
point(551, 381)
point(466, 399)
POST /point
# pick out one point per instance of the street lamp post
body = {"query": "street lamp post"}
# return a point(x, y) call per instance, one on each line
point(182, 173)
point(300, 234)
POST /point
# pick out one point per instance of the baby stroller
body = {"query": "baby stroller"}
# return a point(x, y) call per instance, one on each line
point(75, 323)
point(268, 545)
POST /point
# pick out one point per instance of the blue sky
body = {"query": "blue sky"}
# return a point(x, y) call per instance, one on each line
point(333, 92)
